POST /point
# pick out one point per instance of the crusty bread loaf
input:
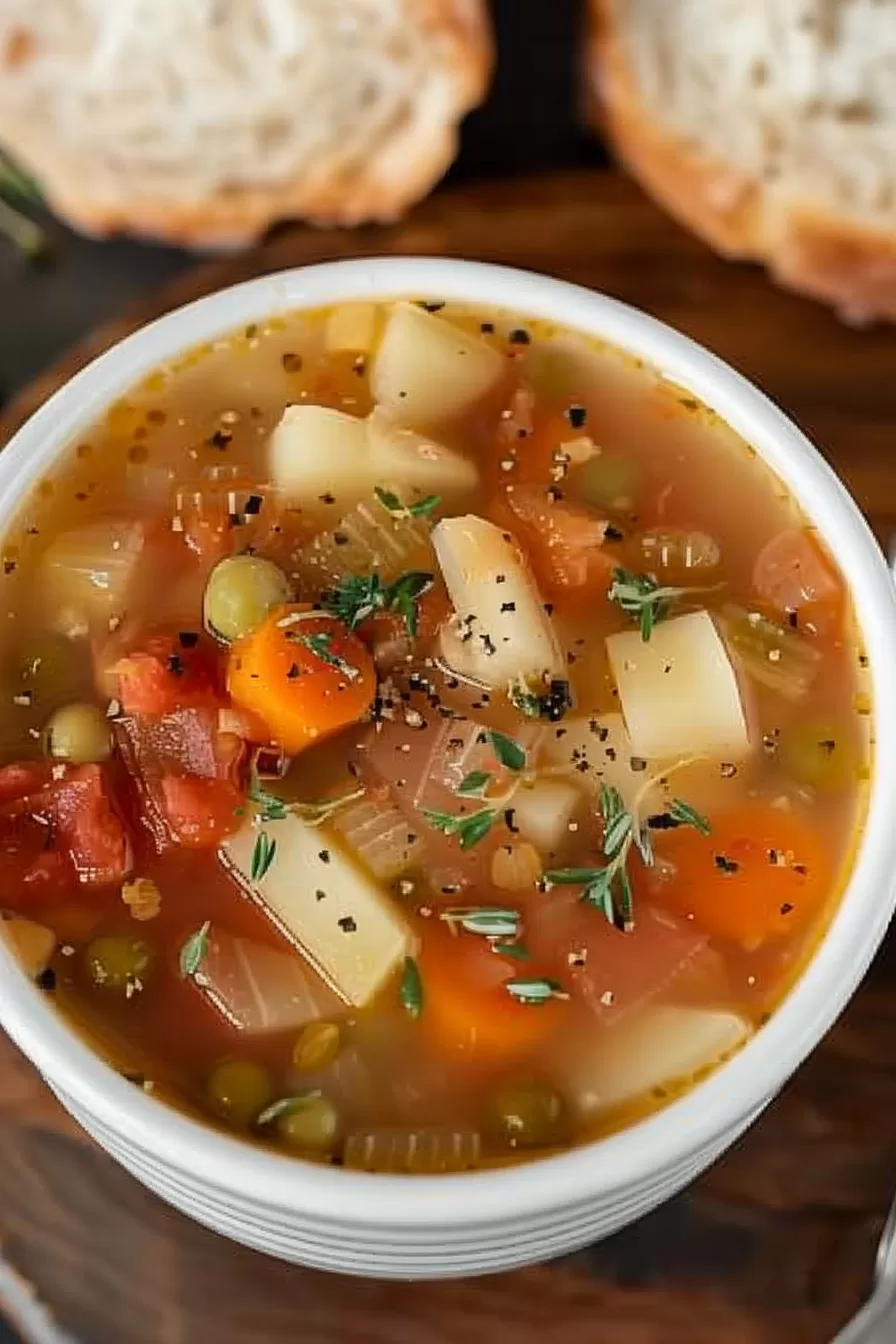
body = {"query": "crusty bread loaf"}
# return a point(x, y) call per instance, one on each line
point(203, 121)
point(766, 126)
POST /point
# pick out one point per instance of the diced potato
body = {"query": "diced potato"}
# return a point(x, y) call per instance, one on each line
point(32, 943)
point(544, 811)
point(87, 575)
point(415, 465)
point(658, 1046)
point(495, 598)
point(324, 902)
point(427, 372)
point(316, 452)
point(352, 327)
point(258, 989)
point(678, 690)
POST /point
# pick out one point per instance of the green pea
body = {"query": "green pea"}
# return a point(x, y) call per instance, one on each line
point(530, 1115)
point(609, 481)
point(819, 755)
point(312, 1124)
point(239, 1090)
point(119, 963)
point(240, 592)
point(78, 733)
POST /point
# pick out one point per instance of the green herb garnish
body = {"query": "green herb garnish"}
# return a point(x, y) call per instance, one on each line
point(285, 1106)
point(359, 596)
point(314, 811)
point(419, 509)
point(410, 991)
point(602, 886)
point(490, 921)
point(194, 951)
point(262, 856)
point(469, 828)
point(271, 807)
point(641, 596)
point(319, 644)
point(517, 951)
point(508, 752)
point(474, 784)
point(686, 815)
point(534, 990)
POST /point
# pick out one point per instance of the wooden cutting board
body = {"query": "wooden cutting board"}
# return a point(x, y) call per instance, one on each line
point(774, 1245)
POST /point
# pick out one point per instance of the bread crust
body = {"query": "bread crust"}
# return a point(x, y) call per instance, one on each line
point(807, 247)
point(404, 168)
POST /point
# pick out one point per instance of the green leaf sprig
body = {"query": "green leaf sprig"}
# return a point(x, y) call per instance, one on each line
point(421, 508)
point(359, 596)
point(410, 990)
point(469, 828)
point(194, 951)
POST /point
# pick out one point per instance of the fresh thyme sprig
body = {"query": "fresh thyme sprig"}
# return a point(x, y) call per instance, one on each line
point(605, 886)
point(469, 828)
point(359, 596)
point(421, 508)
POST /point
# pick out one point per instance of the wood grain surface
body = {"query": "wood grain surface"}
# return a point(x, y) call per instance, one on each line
point(774, 1245)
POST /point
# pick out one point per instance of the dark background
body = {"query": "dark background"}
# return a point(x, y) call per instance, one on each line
point(530, 123)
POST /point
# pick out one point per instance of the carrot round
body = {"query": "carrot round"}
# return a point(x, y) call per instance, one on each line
point(467, 1007)
point(761, 873)
point(303, 674)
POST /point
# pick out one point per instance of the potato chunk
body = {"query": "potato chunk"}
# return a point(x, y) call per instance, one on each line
point(427, 372)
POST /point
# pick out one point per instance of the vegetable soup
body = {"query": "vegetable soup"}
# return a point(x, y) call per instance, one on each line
point(430, 738)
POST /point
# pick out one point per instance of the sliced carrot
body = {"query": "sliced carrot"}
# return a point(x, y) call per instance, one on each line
point(564, 542)
point(792, 574)
point(303, 674)
point(467, 1007)
point(761, 873)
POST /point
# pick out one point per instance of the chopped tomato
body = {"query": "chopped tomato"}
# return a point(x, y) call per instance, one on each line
point(792, 574)
point(386, 632)
point(200, 812)
point(58, 826)
point(187, 774)
point(467, 1006)
point(165, 676)
point(565, 542)
point(610, 971)
point(761, 874)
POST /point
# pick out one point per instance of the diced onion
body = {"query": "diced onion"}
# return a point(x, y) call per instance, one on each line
point(497, 603)
point(379, 835)
point(86, 575)
point(678, 690)
point(676, 553)
point(781, 660)
point(258, 989)
point(420, 1152)
point(427, 372)
point(368, 539)
point(516, 866)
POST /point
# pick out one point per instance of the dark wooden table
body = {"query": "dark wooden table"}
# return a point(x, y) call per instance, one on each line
point(773, 1246)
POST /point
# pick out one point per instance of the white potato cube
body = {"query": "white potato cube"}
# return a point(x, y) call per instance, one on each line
point(678, 691)
point(656, 1046)
point(315, 451)
point(427, 372)
point(497, 603)
point(325, 903)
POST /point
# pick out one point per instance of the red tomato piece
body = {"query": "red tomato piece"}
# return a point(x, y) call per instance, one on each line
point(565, 542)
point(200, 812)
point(164, 676)
point(59, 827)
point(792, 574)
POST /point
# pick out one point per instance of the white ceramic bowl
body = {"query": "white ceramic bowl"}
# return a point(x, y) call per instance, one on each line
point(434, 1227)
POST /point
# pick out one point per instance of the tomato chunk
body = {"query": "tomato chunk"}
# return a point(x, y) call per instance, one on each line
point(565, 542)
point(58, 826)
point(792, 574)
point(165, 676)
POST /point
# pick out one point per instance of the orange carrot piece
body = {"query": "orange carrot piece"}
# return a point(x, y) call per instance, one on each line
point(762, 873)
point(303, 674)
point(467, 1008)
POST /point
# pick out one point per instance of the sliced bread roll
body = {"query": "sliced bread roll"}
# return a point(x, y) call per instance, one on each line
point(766, 126)
point(203, 121)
